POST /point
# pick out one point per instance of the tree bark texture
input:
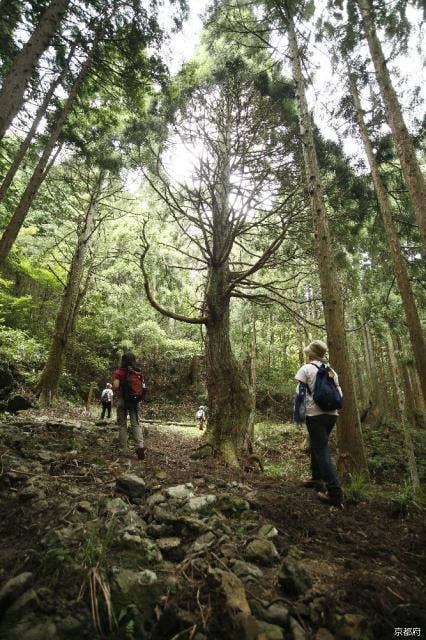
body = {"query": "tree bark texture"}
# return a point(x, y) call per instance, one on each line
point(227, 386)
point(71, 299)
point(18, 157)
point(13, 227)
point(413, 177)
point(16, 81)
point(415, 331)
point(250, 366)
point(349, 436)
point(411, 462)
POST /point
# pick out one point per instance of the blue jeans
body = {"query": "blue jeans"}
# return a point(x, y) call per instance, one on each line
point(130, 409)
point(322, 466)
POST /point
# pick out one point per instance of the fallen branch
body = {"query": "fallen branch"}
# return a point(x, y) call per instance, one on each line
point(169, 422)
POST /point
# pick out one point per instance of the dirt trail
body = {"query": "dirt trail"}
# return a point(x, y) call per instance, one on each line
point(365, 564)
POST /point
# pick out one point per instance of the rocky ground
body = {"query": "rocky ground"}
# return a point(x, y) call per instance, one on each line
point(98, 546)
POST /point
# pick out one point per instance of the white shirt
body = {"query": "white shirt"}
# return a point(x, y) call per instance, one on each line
point(107, 395)
point(308, 374)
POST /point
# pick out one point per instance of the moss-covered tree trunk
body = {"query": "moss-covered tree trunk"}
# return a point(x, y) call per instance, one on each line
point(413, 176)
point(227, 385)
point(15, 82)
point(351, 451)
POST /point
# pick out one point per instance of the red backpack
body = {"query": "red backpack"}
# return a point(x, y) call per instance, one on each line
point(133, 385)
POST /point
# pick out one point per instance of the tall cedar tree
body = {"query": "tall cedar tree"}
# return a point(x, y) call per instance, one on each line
point(400, 268)
point(19, 74)
point(413, 176)
point(351, 450)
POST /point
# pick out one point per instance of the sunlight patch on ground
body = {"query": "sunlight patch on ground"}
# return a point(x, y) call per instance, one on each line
point(185, 432)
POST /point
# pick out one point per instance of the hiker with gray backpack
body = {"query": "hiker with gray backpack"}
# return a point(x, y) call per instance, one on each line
point(317, 402)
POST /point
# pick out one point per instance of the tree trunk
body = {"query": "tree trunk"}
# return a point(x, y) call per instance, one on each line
point(228, 389)
point(393, 376)
point(251, 369)
point(349, 436)
point(407, 156)
point(300, 345)
point(12, 229)
point(194, 374)
point(7, 181)
point(14, 84)
point(71, 299)
point(408, 443)
point(415, 331)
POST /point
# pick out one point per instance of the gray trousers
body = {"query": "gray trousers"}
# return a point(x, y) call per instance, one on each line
point(322, 466)
point(131, 410)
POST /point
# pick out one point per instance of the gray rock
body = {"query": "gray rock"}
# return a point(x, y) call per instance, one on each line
point(297, 631)
point(116, 506)
point(165, 544)
point(262, 551)
point(352, 626)
point(163, 516)
point(159, 530)
point(30, 492)
point(156, 498)
point(69, 627)
point(45, 456)
point(200, 502)
point(131, 485)
point(181, 491)
point(323, 634)
point(246, 569)
point(293, 578)
point(84, 506)
point(26, 602)
point(275, 613)
point(151, 552)
point(204, 541)
point(39, 505)
point(232, 504)
point(131, 541)
point(14, 587)
point(138, 589)
point(317, 611)
point(270, 631)
point(267, 531)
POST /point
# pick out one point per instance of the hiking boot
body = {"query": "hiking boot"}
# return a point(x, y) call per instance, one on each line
point(314, 484)
point(330, 500)
point(141, 453)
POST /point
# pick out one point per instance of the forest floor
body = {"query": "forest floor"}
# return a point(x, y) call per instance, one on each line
point(94, 545)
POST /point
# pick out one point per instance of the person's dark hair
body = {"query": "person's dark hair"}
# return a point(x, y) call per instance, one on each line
point(128, 359)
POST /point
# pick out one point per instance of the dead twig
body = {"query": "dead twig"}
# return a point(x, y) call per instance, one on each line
point(182, 633)
point(201, 609)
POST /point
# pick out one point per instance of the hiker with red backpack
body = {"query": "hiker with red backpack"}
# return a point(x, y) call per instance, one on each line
point(128, 381)
point(318, 399)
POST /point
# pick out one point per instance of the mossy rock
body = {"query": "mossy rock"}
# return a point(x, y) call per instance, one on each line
point(134, 594)
point(232, 505)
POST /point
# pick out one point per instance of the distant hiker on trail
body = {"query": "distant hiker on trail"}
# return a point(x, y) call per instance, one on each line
point(201, 417)
point(318, 399)
point(130, 387)
point(106, 400)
